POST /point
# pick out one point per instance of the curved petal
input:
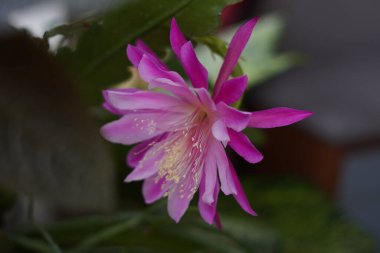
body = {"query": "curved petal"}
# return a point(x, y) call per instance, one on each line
point(194, 69)
point(177, 40)
point(234, 51)
point(141, 99)
point(146, 50)
point(136, 127)
point(207, 193)
point(138, 151)
point(178, 204)
point(208, 210)
point(232, 90)
point(222, 163)
point(232, 117)
point(180, 91)
point(220, 131)
point(243, 146)
point(149, 70)
point(205, 99)
point(240, 196)
point(135, 54)
point(153, 189)
point(146, 167)
point(277, 117)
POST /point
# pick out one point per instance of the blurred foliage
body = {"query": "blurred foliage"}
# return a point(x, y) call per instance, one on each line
point(293, 217)
point(99, 60)
point(260, 59)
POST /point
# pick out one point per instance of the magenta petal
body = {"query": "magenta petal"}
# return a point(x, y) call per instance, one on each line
point(232, 90)
point(153, 189)
point(149, 70)
point(240, 196)
point(177, 40)
point(194, 69)
point(134, 55)
point(136, 127)
point(222, 163)
point(138, 151)
point(277, 117)
point(146, 50)
point(141, 100)
point(180, 91)
point(232, 117)
point(205, 98)
point(243, 146)
point(208, 210)
point(234, 51)
point(177, 205)
point(220, 131)
point(210, 179)
point(146, 167)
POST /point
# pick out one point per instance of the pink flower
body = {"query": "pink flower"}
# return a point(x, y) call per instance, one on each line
point(182, 132)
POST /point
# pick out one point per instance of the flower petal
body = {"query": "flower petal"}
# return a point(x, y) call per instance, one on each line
point(232, 90)
point(149, 70)
point(194, 69)
point(277, 117)
point(134, 55)
point(222, 163)
point(232, 117)
point(137, 152)
point(146, 167)
point(209, 179)
point(178, 204)
point(208, 210)
point(153, 189)
point(205, 99)
point(147, 50)
point(141, 99)
point(177, 40)
point(240, 196)
point(180, 91)
point(234, 51)
point(136, 127)
point(219, 131)
point(243, 146)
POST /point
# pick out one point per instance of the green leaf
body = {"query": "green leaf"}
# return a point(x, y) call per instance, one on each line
point(99, 59)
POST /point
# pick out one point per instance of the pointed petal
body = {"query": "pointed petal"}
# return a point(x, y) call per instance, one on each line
point(153, 189)
point(134, 55)
point(141, 99)
point(232, 90)
point(243, 146)
point(177, 205)
point(196, 72)
point(209, 179)
point(219, 131)
point(149, 70)
point(208, 210)
point(136, 127)
point(222, 163)
point(277, 117)
point(137, 152)
point(234, 51)
point(177, 40)
point(240, 196)
point(180, 91)
point(232, 117)
point(146, 167)
point(205, 98)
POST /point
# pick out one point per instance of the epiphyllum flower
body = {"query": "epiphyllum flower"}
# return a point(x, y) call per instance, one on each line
point(183, 131)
